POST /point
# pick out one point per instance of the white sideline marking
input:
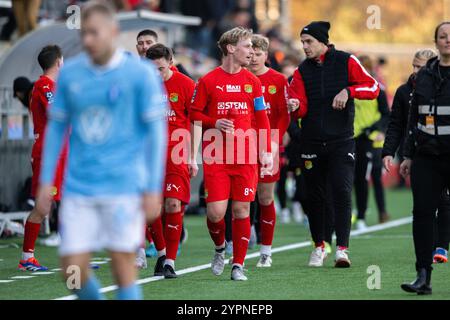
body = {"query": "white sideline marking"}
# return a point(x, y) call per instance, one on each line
point(42, 273)
point(56, 269)
point(99, 262)
point(22, 277)
point(378, 227)
point(6, 281)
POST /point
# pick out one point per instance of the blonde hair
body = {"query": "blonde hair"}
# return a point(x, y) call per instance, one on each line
point(425, 54)
point(232, 37)
point(260, 42)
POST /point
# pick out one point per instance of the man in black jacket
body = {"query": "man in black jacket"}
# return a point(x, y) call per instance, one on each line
point(322, 93)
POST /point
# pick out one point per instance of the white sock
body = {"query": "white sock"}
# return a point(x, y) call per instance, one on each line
point(162, 253)
point(266, 250)
point(27, 255)
point(221, 247)
point(170, 262)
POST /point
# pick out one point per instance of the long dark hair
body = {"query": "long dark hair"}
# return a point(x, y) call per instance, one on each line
point(437, 29)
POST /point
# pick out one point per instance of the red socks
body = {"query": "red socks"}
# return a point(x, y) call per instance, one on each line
point(217, 231)
point(30, 236)
point(148, 234)
point(320, 244)
point(158, 234)
point(241, 237)
point(173, 227)
point(267, 223)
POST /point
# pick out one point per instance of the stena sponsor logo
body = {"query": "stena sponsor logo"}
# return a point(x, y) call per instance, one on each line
point(170, 113)
point(233, 88)
point(232, 105)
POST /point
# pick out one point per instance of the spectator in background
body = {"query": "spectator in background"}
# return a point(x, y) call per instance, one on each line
point(371, 117)
point(276, 50)
point(22, 88)
point(10, 26)
point(249, 7)
point(26, 14)
point(201, 37)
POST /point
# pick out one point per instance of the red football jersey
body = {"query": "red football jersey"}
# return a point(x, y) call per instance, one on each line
point(274, 88)
point(232, 96)
point(41, 97)
point(180, 89)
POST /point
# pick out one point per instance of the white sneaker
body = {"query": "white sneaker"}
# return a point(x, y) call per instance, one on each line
point(285, 216)
point(218, 263)
point(141, 259)
point(317, 257)
point(53, 240)
point(361, 225)
point(342, 260)
point(297, 212)
point(237, 273)
point(265, 261)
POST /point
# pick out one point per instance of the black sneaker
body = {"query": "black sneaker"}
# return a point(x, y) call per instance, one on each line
point(159, 266)
point(169, 273)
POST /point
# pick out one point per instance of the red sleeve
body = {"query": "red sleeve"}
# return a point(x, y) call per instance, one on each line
point(283, 119)
point(190, 88)
point(297, 91)
point(44, 97)
point(363, 85)
point(199, 102)
point(262, 120)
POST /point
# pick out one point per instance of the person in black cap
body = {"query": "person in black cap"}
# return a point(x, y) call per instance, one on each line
point(321, 93)
point(22, 87)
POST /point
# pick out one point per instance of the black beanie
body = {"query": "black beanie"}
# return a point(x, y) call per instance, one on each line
point(318, 30)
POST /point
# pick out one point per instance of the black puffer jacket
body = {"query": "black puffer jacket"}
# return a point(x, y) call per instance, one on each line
point(431, 99)
point(398, 119)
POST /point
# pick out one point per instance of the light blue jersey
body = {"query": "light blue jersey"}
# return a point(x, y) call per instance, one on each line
point(114, 113)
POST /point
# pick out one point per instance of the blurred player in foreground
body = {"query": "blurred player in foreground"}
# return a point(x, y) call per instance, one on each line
point(113, 103)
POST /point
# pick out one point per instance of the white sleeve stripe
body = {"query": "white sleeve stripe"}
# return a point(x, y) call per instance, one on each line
point(375, 86)
point(371, 89)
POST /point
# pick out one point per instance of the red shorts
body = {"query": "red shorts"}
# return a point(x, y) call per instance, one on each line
point(59, 177)
point(230, 181)
point(177, 182)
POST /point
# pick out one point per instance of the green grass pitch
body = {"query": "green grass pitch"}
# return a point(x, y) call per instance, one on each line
point(289, 278)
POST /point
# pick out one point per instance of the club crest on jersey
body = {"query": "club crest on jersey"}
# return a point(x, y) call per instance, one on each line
point(173, 97)
point(233, 88)
point(95, 124)
point(248, 88)
point(272, 89)
point(308, 164)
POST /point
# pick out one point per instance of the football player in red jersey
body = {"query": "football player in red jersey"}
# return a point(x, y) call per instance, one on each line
point(181, 163)
point(226, 101)
point(144, 40)
point(274, 87)
point(50, 59)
